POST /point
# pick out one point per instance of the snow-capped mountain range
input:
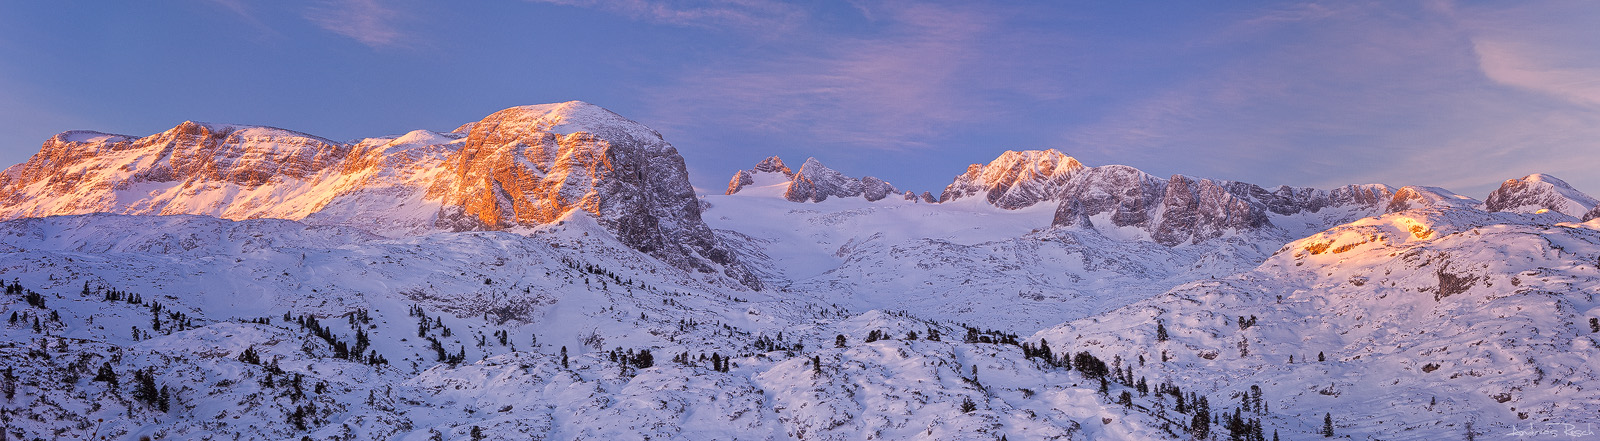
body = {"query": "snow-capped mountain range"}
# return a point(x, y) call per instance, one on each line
point(547, 272)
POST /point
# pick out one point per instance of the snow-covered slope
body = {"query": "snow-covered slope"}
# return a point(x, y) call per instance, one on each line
point(965, 261)
point(1407, 326)
point(272, 329)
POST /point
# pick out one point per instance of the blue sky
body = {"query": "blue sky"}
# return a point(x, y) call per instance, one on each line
point(1454, 94)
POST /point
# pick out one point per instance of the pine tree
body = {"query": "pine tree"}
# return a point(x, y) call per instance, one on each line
point(1321, 357)
point(250, 355)
point(839, 341)
point(8, 383)
point(1200, 425)
point(107, 375)
point(298, 418)
point(1327, 425)
point(144, 387)
point(1161, 332)
point(1238, 429)
point(164, 402)
point(564, 357)
point(967, 406)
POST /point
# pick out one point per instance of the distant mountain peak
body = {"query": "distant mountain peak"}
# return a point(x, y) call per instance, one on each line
point(773, 165)
point(1015, 179)
point(814, 182)
point(1536, 192)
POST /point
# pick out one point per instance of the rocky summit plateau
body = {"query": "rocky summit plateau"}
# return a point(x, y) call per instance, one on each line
point(549, 273)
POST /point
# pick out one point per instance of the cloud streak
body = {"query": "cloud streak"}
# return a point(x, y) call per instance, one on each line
point(760, 15)
point(367, 21)
point(923, 69)
point(1559, 58)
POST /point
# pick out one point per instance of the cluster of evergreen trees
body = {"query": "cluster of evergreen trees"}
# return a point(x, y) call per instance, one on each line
point(144, 386)
point(145, 390)
point(765, 343)
point(357, 352)
point(989, 336)
point(38, 326)
point(718, 362)
point(34, 300)
point(426, 324)
point(292, 386)
point(176, 321)
point(638, 360)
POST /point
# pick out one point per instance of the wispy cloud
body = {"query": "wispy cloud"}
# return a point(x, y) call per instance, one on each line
point(924, 68)
point(367, 21)
point(1523, 67)
point(243, 12)
point(765, 15)
point(1558, 57)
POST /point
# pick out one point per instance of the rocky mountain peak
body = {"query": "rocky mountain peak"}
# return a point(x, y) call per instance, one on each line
point(816, 182)
point(1536, 192)
point(526, 165)
point(533, 165)
point(1015, 179)
point(773, 165)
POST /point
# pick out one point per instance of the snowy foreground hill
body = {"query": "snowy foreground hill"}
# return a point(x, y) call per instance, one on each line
point(547, 273)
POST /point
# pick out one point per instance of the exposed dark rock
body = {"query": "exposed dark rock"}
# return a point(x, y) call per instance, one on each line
point(874, 189)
